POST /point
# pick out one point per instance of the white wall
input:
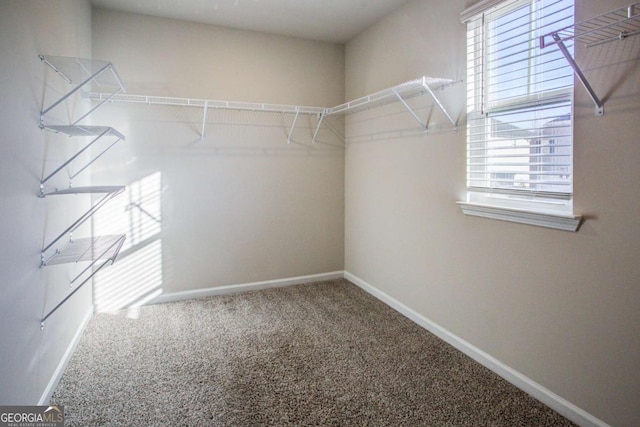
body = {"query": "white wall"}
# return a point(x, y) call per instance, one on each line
point(560, 308)
point(29, 356)
point(241, 205)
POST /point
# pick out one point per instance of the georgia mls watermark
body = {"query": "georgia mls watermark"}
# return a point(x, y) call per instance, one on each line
point(31, 416)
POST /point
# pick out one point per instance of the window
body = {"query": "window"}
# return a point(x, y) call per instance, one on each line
point(519, 108)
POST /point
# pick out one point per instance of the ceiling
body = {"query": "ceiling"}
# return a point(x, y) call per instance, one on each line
point(335, 21)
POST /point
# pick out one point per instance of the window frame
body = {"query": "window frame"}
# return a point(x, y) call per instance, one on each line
point(526, 206)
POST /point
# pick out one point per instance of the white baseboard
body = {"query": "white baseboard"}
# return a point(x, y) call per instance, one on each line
point(544, 395)
point(66, 357)
point(254, 286)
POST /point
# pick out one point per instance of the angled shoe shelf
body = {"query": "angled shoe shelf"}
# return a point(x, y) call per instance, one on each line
point(108, 193)
point(85, 75)
point(98, 133)
point(93, 249)
point(611, 26)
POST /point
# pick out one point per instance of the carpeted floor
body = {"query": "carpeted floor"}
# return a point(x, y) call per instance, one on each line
point(317, 354)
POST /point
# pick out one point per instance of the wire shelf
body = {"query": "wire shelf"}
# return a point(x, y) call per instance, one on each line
point(405, 90)
point(397, 93)
point(80, 130)
point(93, 249)
point(76, 71)
point(84, 76)
point(208, 103)
point(97, 189)
point(88, 249)
point(611, 26)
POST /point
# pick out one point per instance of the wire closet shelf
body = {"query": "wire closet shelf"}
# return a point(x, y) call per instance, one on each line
point(399, 93)
point(615, 25)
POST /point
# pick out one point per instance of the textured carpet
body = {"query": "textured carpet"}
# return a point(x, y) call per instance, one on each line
point(317, 354)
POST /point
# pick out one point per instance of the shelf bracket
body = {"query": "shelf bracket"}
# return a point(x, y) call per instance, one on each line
point(204, 119)
point(439, 104)
point(315, 133)
point(410, 110)
point(72, 158)
point(293, 125)
point(599, 110)
point(100, 104)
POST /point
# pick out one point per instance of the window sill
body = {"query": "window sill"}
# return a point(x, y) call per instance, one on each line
point(558, 222)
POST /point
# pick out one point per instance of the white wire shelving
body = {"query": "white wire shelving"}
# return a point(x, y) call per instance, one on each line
point(615, 25)
point(97, 133)
point(83, 76)
point(91, 249)
point(399, 93)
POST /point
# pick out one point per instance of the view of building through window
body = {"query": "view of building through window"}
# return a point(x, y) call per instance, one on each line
point(519, 103)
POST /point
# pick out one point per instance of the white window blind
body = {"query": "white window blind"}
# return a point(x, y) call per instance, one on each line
point(519, 104)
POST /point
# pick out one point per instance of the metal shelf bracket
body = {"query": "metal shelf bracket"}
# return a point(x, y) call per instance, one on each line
point(612, 26)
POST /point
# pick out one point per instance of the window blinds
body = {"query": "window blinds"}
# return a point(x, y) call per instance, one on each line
point(519, 102)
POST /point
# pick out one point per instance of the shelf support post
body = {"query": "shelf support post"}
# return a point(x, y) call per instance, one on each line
point(204, 119)
point(72, 159)
point(439, 104)
point(410, 110)
point(97, 106)
point(293, 125)
point(315, 133)
point(565, 52)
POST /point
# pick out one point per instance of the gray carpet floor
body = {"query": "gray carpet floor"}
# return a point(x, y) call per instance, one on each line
point(317, 354)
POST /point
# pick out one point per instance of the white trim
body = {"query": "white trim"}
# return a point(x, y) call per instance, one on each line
point(245, 287)
point(544, 395)
point(477, 9)
point(558, 222)
point(66, 357)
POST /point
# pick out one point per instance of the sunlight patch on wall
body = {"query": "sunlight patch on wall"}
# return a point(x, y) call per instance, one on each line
point(136, 276)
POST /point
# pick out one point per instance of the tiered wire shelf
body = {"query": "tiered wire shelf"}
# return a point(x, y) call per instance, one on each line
point(615, 25)
point(82, 76)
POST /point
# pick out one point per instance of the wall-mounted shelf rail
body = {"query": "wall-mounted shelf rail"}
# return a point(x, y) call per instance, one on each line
point(399, 93)
point(98, 133)
point(615, 25)
point(85, 76)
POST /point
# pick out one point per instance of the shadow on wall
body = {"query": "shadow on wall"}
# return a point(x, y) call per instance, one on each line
point(136, 276)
